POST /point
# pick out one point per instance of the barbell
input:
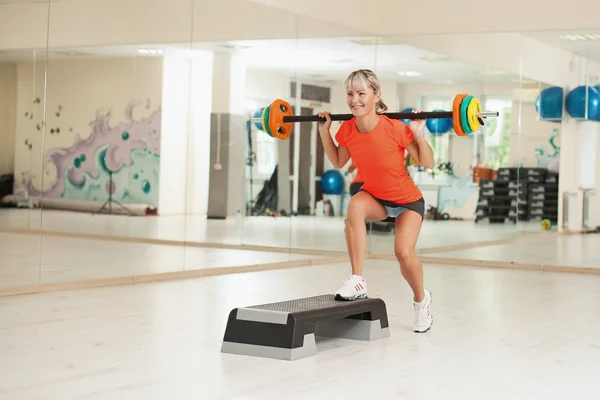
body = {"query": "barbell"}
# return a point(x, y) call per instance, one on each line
point(277, 119)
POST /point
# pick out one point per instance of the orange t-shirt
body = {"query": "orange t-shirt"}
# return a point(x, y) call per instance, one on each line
point(358, 177)
point(379, 156)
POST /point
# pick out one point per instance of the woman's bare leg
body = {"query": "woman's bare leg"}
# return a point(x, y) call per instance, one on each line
point(362, 207)
point(408, 227)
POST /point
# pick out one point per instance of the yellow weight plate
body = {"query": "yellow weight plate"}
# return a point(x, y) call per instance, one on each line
point(474, 108)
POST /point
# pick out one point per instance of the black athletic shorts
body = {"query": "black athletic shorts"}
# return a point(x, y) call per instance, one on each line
point(393, 209)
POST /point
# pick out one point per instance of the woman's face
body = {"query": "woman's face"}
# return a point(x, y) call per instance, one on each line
point(361, 101)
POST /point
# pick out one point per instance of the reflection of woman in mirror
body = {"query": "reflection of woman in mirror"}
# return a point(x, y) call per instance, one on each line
point(376, 145)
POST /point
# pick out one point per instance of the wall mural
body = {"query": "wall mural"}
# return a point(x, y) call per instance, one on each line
point(129, 150)
point(549, 157)
point(458, 191)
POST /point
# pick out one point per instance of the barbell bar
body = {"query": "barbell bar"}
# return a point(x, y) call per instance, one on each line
point(277, 119)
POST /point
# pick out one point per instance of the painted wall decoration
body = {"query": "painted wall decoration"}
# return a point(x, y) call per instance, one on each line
point(460, 189)
point(549, 157)
point(130, 151)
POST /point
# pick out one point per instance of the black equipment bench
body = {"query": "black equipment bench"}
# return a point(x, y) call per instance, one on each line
point(286, 330)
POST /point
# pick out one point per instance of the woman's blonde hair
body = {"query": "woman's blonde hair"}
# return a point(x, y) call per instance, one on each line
point(366, 79)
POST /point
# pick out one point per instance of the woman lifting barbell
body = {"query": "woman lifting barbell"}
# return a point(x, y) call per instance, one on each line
point(376, 145)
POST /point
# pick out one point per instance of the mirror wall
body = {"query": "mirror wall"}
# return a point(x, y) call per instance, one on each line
point(139, 151)
point(546, 184)
point(129, 154)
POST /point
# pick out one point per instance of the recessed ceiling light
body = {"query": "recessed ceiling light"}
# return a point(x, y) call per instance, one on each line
point(342, 61)
point(492, 72)
point(408, 73)
point(235, 46)
point(150, 51)
point(581, 36)
point(436, 58)
point(71, 53)
point(373, 41)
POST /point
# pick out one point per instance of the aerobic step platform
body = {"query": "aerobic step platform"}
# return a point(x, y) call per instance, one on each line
point(287, 330)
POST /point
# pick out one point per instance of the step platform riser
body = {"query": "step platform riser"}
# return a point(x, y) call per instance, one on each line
point(287, 330)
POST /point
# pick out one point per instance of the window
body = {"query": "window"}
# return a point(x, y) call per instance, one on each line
point(439, 144)
point(265, 153)
point(264, 146)
point(493, 144)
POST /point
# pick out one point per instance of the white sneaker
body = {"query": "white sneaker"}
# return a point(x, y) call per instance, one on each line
point(423, 316)
point(355, 287)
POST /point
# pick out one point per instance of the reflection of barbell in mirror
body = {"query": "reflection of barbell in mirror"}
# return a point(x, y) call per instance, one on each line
point(467, 117)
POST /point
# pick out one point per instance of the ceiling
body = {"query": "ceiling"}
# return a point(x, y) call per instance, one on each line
point(393, 17)
point(571, 41)
point(334, 58)
point(329, 59)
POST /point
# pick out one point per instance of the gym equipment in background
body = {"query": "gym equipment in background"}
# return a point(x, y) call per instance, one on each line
point(576, 101)
point(332, 182)
point(549, 103)
point(467, 117)
point(438, 126)
point(109, 202)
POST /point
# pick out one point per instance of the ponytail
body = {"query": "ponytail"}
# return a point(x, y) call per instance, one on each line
point(381, 107)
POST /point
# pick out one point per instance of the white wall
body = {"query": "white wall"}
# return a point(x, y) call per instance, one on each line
point(8, 114)
point(185, 149)
point(266, 86)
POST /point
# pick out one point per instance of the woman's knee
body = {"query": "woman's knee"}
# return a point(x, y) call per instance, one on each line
point(363, 207)
point(404, 254)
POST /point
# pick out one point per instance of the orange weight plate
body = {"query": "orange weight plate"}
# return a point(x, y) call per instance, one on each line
point(456, 114)
point(279, 129)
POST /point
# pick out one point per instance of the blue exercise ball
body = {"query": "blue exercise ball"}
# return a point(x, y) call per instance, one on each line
point(258, 114)
point(332, 182)
point(549, 103)
point(406, 121)
point(438, 126)
point(575, 103)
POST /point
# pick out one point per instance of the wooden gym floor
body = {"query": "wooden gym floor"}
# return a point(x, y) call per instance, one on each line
point(498, 334)
point(513, 310)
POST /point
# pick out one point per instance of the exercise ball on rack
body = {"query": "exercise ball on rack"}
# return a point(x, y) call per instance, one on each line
point(406, 121)
point(332, 182)
point(575, 103)
point(438, 126)
point(549, 103)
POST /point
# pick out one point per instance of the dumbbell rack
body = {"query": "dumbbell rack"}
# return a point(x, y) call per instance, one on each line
point(518, 194)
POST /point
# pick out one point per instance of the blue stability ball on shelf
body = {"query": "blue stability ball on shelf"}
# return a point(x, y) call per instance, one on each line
point(575, 103)
point(332, 182)
point(258, 114)
point(438, 126)
point(406, 121)
point(549, 103)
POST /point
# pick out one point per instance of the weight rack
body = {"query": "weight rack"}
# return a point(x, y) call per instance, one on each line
point(518, 194)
